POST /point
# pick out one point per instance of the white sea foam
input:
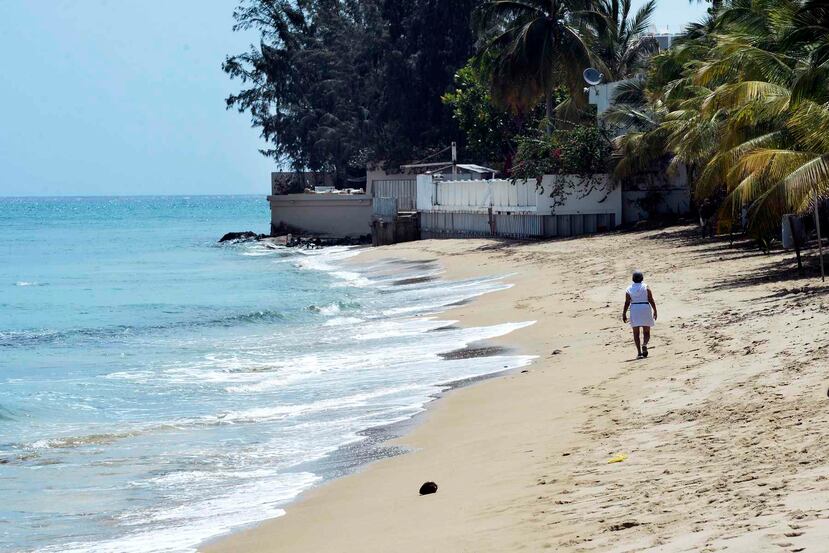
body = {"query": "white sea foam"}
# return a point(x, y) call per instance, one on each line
point(262, 414)
point(327, 259)
point(183, 527)
point(339, 321)
point(328, 310)
point(303, 391)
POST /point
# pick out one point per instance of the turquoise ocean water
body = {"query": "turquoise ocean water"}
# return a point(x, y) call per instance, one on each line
point(158, 389)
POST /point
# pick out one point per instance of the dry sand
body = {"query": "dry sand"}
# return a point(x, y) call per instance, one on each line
point(724, 426)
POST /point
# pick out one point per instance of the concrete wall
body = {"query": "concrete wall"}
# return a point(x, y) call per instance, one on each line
point(594, 196)
point(381, 184)
point(477, 195)
point(656, 194)
point(335, 215)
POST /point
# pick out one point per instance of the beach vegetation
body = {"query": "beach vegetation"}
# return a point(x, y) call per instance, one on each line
point(535, 47)
point(580, 150)
point(334, 85)
point(743, 101)
point(490, 131)
point(529, 67)
point(620, 38)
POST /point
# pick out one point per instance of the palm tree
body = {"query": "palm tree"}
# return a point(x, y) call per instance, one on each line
point(536, 46)
point(750, 107)
point(645, 140)
point(621, 43)
point(715, 4)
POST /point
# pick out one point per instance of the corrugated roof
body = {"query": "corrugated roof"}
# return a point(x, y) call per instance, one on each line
point(476, 168)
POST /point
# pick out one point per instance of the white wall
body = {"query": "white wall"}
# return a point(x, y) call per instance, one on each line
point(522, 197)
point(335, 215)
point(601, 95)
point(593, 196)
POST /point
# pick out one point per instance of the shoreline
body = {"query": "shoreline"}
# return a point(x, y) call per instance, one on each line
point(388, 441)
point(521, 459)
point(400, 435)
point(379, 442)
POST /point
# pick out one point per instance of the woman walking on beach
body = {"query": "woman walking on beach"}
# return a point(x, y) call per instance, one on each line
point(639, 299)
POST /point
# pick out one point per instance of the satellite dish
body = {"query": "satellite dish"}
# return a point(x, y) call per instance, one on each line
point(592, 76)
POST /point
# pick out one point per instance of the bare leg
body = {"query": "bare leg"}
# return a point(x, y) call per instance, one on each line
point(647, 331)
point(636, 340)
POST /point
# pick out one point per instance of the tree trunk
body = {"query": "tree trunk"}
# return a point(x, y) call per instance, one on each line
point(793, 230)
point(550, 110)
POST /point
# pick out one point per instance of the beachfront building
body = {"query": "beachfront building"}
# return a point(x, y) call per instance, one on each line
point(308, 202)
point(318, 208)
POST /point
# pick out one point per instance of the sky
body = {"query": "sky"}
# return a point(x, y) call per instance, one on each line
point(126, 97)
point(673, 15)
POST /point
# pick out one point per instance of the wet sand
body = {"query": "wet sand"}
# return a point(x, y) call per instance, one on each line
point(722, 428)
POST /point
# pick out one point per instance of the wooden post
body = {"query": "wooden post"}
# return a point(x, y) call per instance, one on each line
point(819, 241)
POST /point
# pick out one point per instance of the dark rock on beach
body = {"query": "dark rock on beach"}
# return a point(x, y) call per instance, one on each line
point(314, 242)
point(295, 240)
point(241, 236)
point(428, 488)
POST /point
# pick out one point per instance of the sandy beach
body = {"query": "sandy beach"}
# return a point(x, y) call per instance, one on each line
point(722, 429)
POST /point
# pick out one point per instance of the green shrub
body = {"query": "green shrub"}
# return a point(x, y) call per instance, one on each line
point(582, 150)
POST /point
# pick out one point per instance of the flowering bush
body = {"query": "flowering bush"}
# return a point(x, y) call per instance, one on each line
point(582, 150)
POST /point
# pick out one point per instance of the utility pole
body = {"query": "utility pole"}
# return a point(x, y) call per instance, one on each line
point(454, 161)
point(819, 241)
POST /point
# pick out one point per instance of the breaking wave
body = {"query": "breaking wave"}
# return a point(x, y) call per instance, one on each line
point(79, 336)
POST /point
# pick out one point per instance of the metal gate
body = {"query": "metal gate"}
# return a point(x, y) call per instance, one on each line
point(404, 190)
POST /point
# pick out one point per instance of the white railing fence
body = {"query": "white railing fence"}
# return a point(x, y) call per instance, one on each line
point(459, 224)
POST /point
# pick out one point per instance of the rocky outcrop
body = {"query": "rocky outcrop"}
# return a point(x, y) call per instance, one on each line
point(241, 236)
point(313, 242)
point(294, 240)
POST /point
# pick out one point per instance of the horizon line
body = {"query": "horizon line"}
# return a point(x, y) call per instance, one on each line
point(41, 196)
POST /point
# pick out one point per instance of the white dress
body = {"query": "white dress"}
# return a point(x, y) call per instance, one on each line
point(641, 313)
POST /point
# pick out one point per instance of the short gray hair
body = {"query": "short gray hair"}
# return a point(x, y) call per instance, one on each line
point(638, 276)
